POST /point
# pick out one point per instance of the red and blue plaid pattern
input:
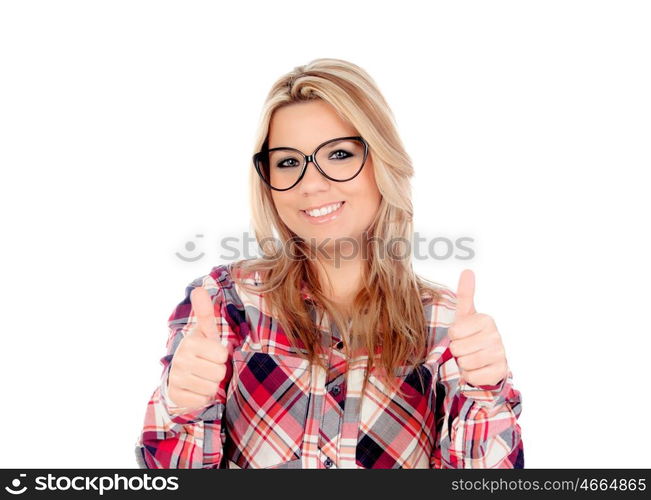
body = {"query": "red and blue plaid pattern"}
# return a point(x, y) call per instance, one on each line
point(276, 410)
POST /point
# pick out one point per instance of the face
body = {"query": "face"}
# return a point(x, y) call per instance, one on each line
point(305, 126)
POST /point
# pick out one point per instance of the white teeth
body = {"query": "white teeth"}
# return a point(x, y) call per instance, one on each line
point(323, 211)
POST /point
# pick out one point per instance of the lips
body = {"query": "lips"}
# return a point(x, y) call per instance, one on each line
point(336, 205)
point(324, 218)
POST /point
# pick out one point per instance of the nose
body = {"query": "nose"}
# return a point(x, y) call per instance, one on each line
point(312, 180)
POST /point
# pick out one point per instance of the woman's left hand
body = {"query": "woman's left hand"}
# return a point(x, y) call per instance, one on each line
point(474, 340)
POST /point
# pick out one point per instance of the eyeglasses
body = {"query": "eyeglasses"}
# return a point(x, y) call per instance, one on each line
point(340, 160)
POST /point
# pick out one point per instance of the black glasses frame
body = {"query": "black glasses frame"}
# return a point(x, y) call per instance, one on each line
point(307, 159)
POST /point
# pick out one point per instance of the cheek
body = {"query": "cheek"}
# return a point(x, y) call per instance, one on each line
point(280, 201)
point(284, 207)
point(368, 190)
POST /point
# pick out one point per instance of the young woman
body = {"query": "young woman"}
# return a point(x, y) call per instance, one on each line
point(269, 360)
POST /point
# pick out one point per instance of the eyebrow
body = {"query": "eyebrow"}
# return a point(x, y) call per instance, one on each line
point(320, 144)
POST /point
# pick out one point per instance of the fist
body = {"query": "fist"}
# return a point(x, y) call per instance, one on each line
point(199, 362)
point(474, 340)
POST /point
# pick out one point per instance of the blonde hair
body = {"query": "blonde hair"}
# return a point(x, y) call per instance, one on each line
point(388, 310)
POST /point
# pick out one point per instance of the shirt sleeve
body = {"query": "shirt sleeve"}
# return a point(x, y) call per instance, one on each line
point(476, 427)
point(171, 437)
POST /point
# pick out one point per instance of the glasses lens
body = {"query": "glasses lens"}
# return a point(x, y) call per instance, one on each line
point(280, 167)
point(341, 159)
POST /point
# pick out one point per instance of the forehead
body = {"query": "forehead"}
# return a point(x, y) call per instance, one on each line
point(305, 125)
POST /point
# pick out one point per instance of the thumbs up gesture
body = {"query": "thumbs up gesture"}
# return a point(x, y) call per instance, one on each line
point(199, 362)
point(474, 340)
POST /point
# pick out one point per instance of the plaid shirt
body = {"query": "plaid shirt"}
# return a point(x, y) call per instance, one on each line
point(275, 410)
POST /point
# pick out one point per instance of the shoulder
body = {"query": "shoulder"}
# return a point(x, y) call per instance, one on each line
point(440, 308)
point(225, 277)
point(222, 284)
point(439, 313)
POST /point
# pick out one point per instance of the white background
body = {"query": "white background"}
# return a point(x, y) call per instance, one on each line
point(126, 129)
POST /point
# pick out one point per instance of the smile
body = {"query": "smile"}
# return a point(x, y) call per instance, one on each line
point(324, 214)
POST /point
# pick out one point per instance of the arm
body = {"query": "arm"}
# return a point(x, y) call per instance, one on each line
point(476, 427)
point(173, 437)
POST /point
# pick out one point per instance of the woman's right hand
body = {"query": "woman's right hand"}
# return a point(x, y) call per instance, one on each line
point(199, 362)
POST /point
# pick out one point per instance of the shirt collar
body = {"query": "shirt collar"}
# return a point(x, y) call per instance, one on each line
point(305, 291)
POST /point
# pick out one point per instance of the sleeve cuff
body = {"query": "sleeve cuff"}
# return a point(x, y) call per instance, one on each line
point(493, 388)
point(487, 395)
point(176, 413)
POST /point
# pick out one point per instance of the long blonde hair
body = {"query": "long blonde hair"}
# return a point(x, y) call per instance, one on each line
point(388, 310)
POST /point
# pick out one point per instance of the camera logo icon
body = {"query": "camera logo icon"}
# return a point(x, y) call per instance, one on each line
point(15, 483)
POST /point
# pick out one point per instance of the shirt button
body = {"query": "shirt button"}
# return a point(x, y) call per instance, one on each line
point(335, 390)
point(328, 463)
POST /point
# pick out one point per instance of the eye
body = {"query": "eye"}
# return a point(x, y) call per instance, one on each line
point(283, 163)
point(336, 156)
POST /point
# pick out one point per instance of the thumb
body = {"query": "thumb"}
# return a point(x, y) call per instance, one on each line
point(466, 294)
point(204, 312)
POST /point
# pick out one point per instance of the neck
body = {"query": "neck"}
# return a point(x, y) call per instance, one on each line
point(341, 279)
